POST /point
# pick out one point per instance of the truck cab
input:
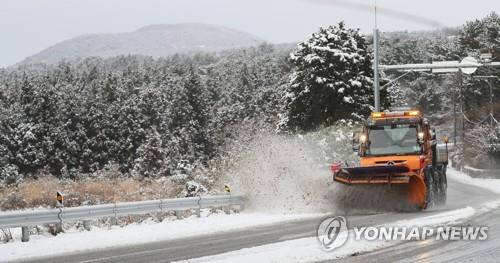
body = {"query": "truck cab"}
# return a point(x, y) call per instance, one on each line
point(400, 137)
point(398, 148)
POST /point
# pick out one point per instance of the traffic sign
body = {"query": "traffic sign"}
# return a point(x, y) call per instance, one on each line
point(469, 70)
point(59, 199)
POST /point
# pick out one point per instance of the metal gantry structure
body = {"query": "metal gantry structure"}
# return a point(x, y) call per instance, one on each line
point(466, 66)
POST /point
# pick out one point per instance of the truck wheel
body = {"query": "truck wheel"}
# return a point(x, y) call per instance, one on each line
point(444, 186)
point(441, 185)
point(438, 182)
point(430, 185)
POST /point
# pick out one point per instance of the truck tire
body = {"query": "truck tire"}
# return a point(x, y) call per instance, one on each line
point(434, 155)
point(431, 187)
point(442, 186)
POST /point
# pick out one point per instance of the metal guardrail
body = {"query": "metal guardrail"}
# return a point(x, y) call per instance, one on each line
point(47, 216)
point(481, 173)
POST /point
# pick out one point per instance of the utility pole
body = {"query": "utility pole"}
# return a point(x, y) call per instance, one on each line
point(454, 99)
point(491, 106)
point(376, 82)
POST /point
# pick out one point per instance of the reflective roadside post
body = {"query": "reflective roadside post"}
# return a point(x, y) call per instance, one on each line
point(59, 204)
point(227, 190)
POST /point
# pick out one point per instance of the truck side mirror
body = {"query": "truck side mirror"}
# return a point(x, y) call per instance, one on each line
point(355, 137)
point(433, 134)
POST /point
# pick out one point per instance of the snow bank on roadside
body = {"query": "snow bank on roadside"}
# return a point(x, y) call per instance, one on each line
point(310, 250)
point(489, 206)
point(449, 217)
point(40, 246)
point(297, 250)
point(486, 183)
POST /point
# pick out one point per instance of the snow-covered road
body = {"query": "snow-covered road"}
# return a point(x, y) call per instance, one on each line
point(309, 250)
point(78, 241)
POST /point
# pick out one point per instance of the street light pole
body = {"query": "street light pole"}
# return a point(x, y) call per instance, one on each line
point(460, 74)
point(376, 81)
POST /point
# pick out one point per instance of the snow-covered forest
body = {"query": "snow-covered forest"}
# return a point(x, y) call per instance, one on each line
point(158, 117)
point(150, 117)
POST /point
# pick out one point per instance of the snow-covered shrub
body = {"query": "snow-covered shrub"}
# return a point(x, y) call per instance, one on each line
point(193, 188)
point(110, 171)
point(9, 175)
point(483, 147)
point(5, 235)
point(13, 201)
point(180, 178)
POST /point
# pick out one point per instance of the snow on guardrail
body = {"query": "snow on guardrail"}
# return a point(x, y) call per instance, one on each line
point(47, 216)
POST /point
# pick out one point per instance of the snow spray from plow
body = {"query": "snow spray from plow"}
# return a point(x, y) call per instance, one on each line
point(277, 174)
point(290, 174)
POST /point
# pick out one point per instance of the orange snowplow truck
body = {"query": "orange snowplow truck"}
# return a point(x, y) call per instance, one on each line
point(399, 148)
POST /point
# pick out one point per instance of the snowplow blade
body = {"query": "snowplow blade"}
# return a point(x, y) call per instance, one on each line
point(380, 174)
point(385, 175)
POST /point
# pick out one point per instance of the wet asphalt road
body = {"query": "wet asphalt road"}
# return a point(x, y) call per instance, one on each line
point(443, 251)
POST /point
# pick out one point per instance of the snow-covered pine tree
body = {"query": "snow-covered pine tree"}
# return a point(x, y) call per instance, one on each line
point(151, 157)
point(197, 98)
point(481, 36)
point(477, 37)
point(332, 79)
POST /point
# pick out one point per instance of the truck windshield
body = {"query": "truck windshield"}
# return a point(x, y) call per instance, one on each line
point(395, 139)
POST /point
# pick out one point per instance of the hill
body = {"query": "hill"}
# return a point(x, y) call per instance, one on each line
point(154, 40)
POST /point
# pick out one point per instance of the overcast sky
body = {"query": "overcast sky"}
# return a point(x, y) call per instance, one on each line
point(28, 26)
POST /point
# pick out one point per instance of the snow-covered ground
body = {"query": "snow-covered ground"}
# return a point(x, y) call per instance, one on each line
point(310, 250)
point(74, 240)
point(304, 249)
point(486, 183)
